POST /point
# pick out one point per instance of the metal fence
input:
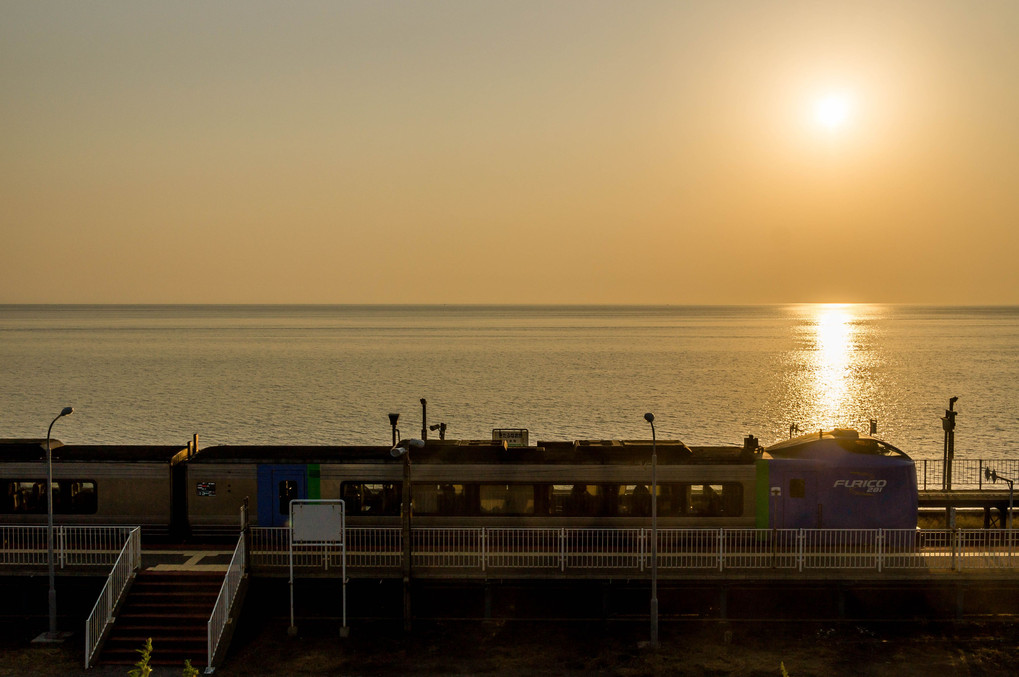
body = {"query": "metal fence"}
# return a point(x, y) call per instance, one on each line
point(966, 473)
point(557, 551)
point(127, 563)
point(73, 546)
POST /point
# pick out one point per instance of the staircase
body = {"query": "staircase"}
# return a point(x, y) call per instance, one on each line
point(172, 608)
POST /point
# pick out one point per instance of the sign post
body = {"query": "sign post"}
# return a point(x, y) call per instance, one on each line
point(318, 522)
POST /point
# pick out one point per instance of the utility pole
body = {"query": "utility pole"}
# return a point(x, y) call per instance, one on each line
point(948, 423)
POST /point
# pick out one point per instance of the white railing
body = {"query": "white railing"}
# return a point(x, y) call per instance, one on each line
point(367, 547)
point(227, 594)
point(127, 563)
point(73, 546)
point(561, 550)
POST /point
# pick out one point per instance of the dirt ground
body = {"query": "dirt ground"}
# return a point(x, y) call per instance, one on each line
point(500, 649)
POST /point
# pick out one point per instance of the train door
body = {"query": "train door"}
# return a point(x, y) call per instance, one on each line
point(180, 529)
point(277, 486)
point(796, 503)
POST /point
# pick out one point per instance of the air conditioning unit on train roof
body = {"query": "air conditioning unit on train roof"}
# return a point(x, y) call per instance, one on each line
point(473, 444)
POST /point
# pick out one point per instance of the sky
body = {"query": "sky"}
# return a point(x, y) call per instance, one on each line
point(551, 151)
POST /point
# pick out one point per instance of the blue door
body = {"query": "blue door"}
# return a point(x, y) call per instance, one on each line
point(800, 507)
point(277, 486)
point(793, 499)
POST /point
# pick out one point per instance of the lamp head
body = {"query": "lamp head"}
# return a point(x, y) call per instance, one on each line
point(649, 417)
point(404, 446)
point(67, 411)
point(393, 418)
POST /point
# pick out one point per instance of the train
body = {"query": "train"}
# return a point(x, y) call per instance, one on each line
point(837, 479)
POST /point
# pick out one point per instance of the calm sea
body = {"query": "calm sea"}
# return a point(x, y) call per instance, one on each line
point(331, 374)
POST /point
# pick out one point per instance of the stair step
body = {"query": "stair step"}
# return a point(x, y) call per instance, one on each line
point(124, 657)
point(176, 593)
point(189, 618)
point(142, 607)
point(160, 643)
point(152, 630)
point(172, 609)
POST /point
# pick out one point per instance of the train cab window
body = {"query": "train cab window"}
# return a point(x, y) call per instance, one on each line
point(797, 488)
point(28, 497)
point(288, 492)
point(506, 499)
point(371, 498)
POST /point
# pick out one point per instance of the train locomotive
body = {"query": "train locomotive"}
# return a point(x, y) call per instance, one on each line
point(837, 479)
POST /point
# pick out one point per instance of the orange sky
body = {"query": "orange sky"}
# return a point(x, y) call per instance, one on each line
point(508, 152)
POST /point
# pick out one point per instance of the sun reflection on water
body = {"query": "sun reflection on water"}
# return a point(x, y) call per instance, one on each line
point(832, 364)
point(834, 332)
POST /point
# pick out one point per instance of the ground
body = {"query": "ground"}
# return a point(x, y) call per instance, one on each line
point(501, 649)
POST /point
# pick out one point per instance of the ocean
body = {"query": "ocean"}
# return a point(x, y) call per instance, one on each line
point(332, 374)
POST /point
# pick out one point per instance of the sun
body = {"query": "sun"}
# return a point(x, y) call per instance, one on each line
point(833, 111)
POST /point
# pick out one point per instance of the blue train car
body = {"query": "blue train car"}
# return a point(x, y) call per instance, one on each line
point(836, 480)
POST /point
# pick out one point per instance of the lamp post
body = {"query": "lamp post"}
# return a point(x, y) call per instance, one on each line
point(393, 418)
point(66, 411)
point(650, 418)
point(402, 449)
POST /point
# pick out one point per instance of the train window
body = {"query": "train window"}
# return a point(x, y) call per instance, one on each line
point(672, 499)
point(440, 499)
point(715, 500)
point(70, 497)
point(797, 488)
point(706, 500)
point(506, 499)
point(288, 492)
point(634, 500)
point(577, 500)
point(371, 498)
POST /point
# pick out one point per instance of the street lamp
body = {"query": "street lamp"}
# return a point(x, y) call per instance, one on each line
point(66, 411)
point(393, 418)
point(402, 449)
point(650, 418)
point(994, 477)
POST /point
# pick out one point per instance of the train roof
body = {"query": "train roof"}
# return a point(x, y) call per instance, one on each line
point(594, 452)
point(35, 450)
point(838, 440)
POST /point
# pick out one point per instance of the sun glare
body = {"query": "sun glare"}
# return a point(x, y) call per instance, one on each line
point(833, 111)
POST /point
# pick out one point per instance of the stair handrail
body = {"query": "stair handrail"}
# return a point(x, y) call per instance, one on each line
point(227, 594)
point(128, 562)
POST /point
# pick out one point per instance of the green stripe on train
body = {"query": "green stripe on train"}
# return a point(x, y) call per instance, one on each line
point(314, 481)
point(763, 495)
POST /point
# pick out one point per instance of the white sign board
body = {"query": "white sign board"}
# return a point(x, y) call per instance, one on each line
point(514, 437)
point(317, 523)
